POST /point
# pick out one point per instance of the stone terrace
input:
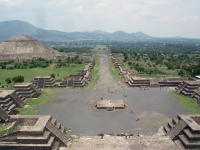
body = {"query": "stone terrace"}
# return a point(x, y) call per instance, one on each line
point(9, 100)
point(36, 133)
point(155, 142)
point(44, 81)
point(184, 131)
point(190, 89)
point(80, 79)
point(27, 90)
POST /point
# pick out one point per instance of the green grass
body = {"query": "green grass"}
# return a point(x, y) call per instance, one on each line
point(95, 75)
point(100, 46)
point(5, 129)
point(29, 74)
point(188, 103)
point(33, 104)
point(114, 72)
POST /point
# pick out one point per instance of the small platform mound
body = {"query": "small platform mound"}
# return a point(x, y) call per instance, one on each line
point(110, 104)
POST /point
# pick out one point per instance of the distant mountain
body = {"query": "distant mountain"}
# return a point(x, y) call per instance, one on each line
point(100, 32)
point(12, 28)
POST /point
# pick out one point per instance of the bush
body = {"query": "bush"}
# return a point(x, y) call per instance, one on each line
point(18, 79)
point(8, 80)
point(52, 75)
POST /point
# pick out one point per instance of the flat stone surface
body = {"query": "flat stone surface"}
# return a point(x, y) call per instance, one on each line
point(4, 93)
point(110, 103)
point(73, 107)
point(155, 142)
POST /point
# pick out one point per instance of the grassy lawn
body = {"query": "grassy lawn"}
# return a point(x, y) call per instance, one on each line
point(33, 104)
point(100, 46)
point(29, 74)
point(95, 75)
point(188, 103)
point(114, 72)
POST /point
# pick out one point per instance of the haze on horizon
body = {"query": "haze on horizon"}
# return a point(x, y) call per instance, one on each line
point(158, 18)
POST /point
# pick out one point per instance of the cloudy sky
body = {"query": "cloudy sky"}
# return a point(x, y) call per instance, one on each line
point(158, 18)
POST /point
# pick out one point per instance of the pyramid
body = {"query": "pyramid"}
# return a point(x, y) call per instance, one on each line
point(23, 47)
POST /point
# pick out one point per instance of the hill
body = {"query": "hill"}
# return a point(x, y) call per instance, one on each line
point(12, 28)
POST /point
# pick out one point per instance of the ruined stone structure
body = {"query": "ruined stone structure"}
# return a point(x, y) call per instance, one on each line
point(170, 82)
point(9, 100)
point(23, 47)
point(44, 81)
point(116, 62)
point(110, 104)
point(190, 89)
point(184, 131)
point(35, 133)
point(139, 82)
point(143, 82)
point(27, 90)
point(80, 79)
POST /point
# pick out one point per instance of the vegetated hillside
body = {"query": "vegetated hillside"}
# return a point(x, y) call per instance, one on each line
point(12, 28)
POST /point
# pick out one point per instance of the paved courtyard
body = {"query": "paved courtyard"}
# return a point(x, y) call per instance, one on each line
point(73, 108)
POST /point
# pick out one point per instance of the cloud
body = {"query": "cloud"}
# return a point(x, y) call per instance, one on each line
point(63, 2)
point(12, 2)
point(78, 9)
point(77, 1)
point(101, 6)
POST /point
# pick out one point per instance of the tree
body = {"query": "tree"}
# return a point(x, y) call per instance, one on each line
point(181, 73)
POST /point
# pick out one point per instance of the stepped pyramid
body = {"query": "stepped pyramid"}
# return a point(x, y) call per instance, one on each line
point(184, 131)
point(35, 133)
point(23, 47)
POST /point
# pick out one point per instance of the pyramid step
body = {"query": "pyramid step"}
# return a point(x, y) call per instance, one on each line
point(58, 125)
point(53, 121)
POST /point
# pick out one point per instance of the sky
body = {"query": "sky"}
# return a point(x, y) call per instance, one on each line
point(157, 18)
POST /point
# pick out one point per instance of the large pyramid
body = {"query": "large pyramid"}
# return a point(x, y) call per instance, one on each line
point(23, 47)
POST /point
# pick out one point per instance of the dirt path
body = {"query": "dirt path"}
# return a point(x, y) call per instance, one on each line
point(106, 81)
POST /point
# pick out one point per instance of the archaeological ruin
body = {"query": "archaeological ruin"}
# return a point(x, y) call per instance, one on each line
point(35, 133)
point(9, 100)
point(80, 79)
point(23, 47)
point(110, 105)
point(27, 90)
point(44, 82)
point(184, 131)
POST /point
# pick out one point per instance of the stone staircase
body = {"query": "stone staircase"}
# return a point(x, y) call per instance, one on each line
point(185, 132)
point(40, 83)
point(181, 88)
point(35, 89)
point(3, 115)
point(17, 100)
point(57, 132)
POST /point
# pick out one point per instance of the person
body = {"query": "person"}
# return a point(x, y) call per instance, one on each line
point(129, 134)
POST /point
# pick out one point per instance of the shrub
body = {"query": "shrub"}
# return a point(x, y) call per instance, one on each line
point(18, 79)
point(52, 75)
point(8, 80)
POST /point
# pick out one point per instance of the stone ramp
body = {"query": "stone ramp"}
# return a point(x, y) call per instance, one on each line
point(3, 114)
point(61, 136)
point(17, 100)
point(35, 89)
point(177, 129)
